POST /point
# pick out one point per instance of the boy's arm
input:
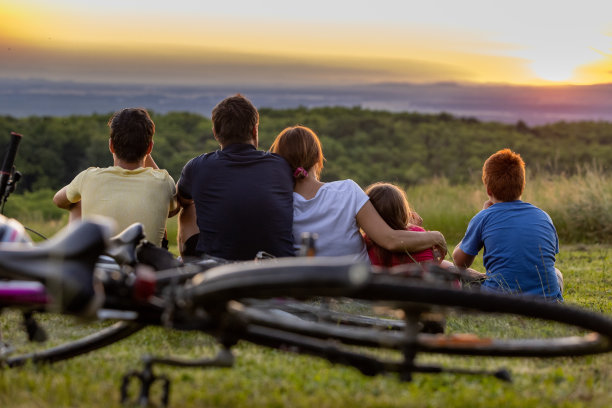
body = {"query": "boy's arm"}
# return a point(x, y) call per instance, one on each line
point(149, 162)
point(462, 259)
point(61, 199)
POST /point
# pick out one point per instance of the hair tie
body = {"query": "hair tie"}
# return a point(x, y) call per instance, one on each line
point(300, 171)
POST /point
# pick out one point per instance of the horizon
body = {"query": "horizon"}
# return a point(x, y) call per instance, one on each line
point(486, 102)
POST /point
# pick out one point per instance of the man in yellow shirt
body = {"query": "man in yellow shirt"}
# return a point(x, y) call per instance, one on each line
point(134, 189)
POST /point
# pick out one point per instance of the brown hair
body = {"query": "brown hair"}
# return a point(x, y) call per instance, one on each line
point(391, 203)
point(234, 119)
point(503, 173)
point(131, 133)
point(301, 147)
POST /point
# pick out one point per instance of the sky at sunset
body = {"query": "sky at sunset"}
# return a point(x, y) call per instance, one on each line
point(302, 43)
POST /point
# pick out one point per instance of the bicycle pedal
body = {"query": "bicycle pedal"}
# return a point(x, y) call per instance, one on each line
point(146, 379)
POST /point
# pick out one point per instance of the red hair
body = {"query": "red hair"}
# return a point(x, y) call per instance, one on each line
point(503, 174)
point(301, 147)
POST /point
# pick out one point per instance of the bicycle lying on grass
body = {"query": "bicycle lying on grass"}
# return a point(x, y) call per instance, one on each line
point(264, 302)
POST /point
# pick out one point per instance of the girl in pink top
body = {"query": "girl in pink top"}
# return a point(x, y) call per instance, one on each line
point(391, 203)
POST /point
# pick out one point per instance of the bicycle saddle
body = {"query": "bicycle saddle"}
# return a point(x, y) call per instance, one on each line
point(122, 247)
point(64, 264)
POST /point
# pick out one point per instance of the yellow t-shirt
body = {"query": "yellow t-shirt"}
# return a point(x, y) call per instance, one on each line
point(144, 195)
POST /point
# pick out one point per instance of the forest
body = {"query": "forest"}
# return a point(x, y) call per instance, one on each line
point(364, 145)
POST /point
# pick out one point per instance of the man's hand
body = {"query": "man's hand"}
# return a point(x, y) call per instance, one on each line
point(487, 204)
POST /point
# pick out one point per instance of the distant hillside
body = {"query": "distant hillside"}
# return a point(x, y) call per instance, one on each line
point(506, 104)
point(364, 145)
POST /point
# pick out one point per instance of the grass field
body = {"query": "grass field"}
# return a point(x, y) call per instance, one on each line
point(263, 377)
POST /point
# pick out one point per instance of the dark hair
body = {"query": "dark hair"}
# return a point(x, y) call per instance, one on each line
point(131, 133)
point(301, 147)
point(503, 173)
point(234, 119)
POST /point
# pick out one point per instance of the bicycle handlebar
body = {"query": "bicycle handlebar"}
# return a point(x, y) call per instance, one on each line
point(9, 160)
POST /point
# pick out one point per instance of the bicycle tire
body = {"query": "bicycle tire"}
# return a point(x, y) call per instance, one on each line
point(71, 348)
point(396, 339)
point(598, 340)
point(304, 278)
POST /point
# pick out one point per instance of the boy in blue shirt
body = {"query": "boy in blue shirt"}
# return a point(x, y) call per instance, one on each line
point(519, 239)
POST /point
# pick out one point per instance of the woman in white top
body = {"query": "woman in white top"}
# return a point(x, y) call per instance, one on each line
point(337, 210)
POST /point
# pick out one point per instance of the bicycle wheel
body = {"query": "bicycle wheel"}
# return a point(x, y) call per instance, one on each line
point(581, 331)
point(66, 337)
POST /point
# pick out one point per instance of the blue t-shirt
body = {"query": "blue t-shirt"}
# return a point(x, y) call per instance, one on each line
point(244, 202)
point(520, 243)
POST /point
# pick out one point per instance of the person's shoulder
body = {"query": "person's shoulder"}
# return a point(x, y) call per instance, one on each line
point(537, 211)
point(345, 190)
point(94, 171)
point(481, 215)
point(521, 205)
point(526, 204)
point(204, 157)
point(270, 154)
point(83, 176)
point(343, 185)
point(161, 174)
point(413, 227)
point(274, 157)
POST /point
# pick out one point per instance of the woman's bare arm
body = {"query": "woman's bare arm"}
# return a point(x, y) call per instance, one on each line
point(378, 231)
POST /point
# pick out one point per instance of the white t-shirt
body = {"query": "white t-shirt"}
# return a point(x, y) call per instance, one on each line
point(331, 214)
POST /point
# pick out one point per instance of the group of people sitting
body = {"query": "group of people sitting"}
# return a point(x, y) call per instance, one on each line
point(238, 201)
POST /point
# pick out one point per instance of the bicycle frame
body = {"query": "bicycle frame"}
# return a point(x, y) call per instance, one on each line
point(23, 294)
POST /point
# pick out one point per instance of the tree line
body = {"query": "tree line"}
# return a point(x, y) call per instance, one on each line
point(364, 145)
